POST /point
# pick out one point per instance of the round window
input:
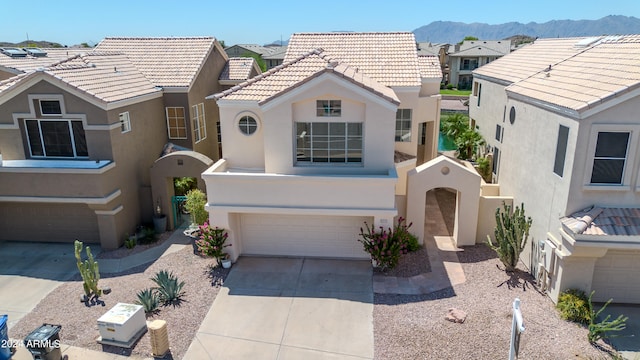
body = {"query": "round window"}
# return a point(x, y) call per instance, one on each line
point(248, 125)
point(512, 115)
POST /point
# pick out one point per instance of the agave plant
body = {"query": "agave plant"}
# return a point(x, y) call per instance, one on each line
point(169, 288)
point(149, 300)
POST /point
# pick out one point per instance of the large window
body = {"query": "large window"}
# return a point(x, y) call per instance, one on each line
point(610, 158)
point(176, 124)
point(403, 125)
point(197, 118)
point(328, 108)
point(56, 138)
point(321, 142)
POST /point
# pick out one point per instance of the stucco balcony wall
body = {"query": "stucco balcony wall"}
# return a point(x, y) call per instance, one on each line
point(229, 187)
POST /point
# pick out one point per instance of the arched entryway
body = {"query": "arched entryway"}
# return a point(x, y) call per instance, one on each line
point(174, 165)
point(443, 172)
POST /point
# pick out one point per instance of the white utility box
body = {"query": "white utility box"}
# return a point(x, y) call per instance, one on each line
point(122, 325)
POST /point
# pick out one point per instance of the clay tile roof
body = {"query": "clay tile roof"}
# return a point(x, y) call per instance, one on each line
point(477, 51)
point(429, 67)
point(596, 73)
point(106, 76)
point(298, 71)
point(237, 69)
point(166, 61)
point(30, 63)
point(389, 58)
point(604, 221)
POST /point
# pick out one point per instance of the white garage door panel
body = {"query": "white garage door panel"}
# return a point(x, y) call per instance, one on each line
point(616, 276)
point(296, 235)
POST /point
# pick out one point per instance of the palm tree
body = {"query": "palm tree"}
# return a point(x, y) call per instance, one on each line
point(454, 125)
point(467, 143)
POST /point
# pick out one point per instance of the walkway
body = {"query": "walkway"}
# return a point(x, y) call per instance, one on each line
point(285, 308)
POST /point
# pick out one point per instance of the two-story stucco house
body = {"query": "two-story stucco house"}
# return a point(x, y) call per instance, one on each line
point(560, 116)
point(79, 133)
point(321, 144)
point(471, 54)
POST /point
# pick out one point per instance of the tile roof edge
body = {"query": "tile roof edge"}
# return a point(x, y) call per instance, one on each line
point(259, 77)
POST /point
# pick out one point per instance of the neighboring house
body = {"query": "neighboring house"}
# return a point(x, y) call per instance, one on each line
point(560, 116)
point(316, 147)
point(471, 54)
point(80, 133)
point(272, 55)
point(441, 51)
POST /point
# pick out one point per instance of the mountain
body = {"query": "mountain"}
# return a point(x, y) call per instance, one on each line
point(453, 32)
point(31, 43)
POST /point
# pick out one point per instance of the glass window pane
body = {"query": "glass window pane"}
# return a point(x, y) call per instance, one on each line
point(320, 155)
point(33, 133)
point(612, 144)
point(354, 129)
point(79, 139)
point(50, 107)
point(606, 171)
point(320, 129)
point(56, 138)
point(320, 142)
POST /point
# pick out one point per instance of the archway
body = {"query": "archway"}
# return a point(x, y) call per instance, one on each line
point(174, 165)
point(443, 172)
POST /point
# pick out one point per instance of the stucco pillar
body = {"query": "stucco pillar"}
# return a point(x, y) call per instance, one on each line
point(111, 236)
point(575, 271)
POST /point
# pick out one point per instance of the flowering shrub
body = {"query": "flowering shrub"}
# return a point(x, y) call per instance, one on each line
point(386, 246)
point(212, 241)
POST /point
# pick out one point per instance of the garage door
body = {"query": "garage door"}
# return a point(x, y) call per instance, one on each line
point(298, 235)
point(616, 276)
point(48, 222)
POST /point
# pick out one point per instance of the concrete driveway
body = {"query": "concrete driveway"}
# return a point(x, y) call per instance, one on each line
point(284, 308)
point(30, 271)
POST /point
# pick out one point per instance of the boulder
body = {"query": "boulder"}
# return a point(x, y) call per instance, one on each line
point(456, 315)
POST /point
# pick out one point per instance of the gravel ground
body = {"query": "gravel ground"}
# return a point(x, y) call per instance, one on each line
point(414, 327)
point(79, 322)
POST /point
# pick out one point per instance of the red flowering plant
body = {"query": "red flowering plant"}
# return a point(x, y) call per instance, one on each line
point(212, 241)
point(387, 245)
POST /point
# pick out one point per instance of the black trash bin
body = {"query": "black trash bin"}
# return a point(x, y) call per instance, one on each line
point(44, 342)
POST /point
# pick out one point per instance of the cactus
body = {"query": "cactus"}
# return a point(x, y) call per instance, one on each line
point(88, 270)
point(512, 233)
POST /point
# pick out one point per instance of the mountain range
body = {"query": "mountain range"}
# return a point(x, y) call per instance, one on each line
point(453, 32)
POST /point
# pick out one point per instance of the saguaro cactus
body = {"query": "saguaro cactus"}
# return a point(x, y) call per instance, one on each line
point(88, 270)
point(512, 233)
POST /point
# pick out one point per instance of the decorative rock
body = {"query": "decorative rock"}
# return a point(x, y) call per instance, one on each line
point(456, 315)
point(106, 290)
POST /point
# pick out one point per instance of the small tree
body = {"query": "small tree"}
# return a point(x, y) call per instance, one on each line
point(467, 143)
point(512, 233)
point(600, 330)
point(196, 200)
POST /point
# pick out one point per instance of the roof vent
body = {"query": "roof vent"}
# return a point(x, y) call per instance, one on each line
point(14, 52)
point(35, 52)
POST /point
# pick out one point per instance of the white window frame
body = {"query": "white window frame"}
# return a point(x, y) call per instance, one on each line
point(44, 150)
point(632, 148)
point(240, 126)
point(125, 122)
point(330, 109)
point(169, 127)
point(404, 133)
point(199, 123)
point(58, 98)
point(346, 145)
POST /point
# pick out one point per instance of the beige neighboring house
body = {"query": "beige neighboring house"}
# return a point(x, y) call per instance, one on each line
point(273, 55)
point(441, 51)
point(471, 54)
point(316, 147)
point(81, 133)
point(561, 118)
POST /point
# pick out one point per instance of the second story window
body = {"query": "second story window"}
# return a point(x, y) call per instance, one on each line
point(176, 124)
point(469, 64)
point(403, 125)
point(50, 107)
point(322, 142)
point(197, 118)
point(247, 125)
point(56, 138)
point(328, 108)
point(610, 158)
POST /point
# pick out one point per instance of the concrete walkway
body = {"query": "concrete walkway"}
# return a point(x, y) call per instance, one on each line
point(284, 308)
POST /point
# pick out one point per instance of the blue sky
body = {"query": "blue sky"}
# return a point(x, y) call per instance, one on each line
point(247, 21)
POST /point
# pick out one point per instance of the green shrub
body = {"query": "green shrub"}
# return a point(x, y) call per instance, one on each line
point(196, 200)
point(450, 86)
point(401, 231)
point(387, 245)
point(149, 300)
point(148, 236)
point(212, 241)
point(130, 242)
point(574, 306)
point(169, 289)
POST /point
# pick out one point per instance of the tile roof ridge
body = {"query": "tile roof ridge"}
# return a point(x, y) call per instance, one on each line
point(156, 37)
point(352, 33)
point(71, 58)
point(268, 73)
